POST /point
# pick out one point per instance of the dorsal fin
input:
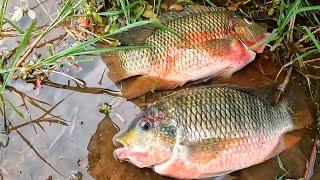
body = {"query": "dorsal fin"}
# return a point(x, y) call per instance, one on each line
point(172, 15)
point(136, 35)
point(266, 94)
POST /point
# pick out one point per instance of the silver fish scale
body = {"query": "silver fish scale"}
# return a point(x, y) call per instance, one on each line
point(191, 30)
point(222, 112)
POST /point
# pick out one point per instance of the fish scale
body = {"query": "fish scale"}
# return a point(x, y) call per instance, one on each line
point(229, 119)
point(162, 40)
point(207, 42)
point(210, 131)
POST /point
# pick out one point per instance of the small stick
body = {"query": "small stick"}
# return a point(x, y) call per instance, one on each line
point(283, 85)
point(309, 171)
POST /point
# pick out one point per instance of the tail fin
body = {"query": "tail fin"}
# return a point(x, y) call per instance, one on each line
point(113, 62)
point(299, 108)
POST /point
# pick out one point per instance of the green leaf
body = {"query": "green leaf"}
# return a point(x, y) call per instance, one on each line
point(97, 17)
point(98, 51)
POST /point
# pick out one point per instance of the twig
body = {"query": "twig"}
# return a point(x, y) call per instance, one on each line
point(91, 90)
point(37, 153)
point(283, 85)
point(309, 171)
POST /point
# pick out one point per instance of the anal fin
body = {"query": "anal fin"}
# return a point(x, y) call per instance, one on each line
point(113, 62)
point(145, 84)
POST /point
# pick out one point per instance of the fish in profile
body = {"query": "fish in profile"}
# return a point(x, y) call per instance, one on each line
point(209, 42)
point(209, 131)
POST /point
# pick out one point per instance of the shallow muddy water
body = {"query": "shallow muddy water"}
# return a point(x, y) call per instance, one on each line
point(83, 148)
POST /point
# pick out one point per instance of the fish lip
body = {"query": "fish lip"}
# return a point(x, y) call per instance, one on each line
point(260, 48)
point(116, 154)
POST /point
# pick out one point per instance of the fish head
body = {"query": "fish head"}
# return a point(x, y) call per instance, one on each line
point(148, 140)
point(250, 32)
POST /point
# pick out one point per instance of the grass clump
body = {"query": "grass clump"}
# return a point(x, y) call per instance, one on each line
point(295, 35)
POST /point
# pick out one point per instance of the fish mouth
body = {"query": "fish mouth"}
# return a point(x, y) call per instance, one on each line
point(119, 142)
point(119, 154)
point(260, 48)
point(126, 153)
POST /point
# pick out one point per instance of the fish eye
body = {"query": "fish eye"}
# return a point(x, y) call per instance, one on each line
point(145, 125)
point(248, 20)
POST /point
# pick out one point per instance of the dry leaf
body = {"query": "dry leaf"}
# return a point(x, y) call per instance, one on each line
point(176, 7)
point(233, 7)
point(148, 13)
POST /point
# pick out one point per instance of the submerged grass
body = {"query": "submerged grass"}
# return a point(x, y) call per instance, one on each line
point(13, 64)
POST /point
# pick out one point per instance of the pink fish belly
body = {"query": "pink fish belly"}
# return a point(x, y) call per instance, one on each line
point(244, 153)
point(192, 64)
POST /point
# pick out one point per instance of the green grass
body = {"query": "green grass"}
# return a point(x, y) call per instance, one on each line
point(78, 50)
point(3, 13)
point(296, 23)
point(16, 57)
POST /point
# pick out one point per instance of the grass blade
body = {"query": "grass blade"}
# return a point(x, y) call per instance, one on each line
point(125, 11)
point(210, 3)
point(108, 49)
point(14, 26)
point(3, 13)
point(17, 55)
point(312, 37)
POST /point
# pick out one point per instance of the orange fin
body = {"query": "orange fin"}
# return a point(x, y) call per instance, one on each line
point(300, 109)
point(292, 138)
point(113, 62)
point(145, 84)
point(287, 141)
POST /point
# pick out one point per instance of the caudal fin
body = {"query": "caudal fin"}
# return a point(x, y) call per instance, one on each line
point(299, 107)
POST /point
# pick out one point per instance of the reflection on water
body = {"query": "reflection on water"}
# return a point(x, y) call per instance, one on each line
point(84, 147)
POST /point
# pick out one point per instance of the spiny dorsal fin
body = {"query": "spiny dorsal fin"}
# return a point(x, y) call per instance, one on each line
point(172, 15)
point(136, 35)
point(265, 94)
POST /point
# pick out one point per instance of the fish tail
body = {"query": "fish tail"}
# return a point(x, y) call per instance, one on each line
point(295, 101)
point(116, 73)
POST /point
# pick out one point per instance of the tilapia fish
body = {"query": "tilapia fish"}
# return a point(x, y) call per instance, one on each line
point(208, 42)
point(207, 131)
